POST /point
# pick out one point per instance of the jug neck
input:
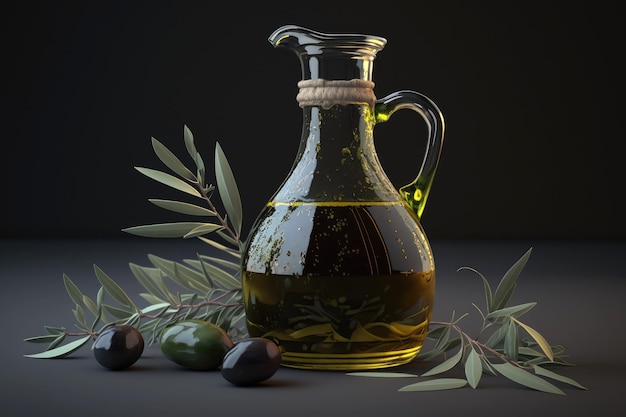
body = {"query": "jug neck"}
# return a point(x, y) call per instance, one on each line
point(337, 162)
point(330, 56)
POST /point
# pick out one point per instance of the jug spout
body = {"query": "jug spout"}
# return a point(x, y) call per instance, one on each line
point(309, 41)
point(316, 50)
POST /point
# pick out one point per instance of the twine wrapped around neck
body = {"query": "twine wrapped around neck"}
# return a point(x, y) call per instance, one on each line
point(326, 93)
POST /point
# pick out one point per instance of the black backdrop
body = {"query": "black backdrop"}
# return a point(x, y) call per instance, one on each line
point(532, 93)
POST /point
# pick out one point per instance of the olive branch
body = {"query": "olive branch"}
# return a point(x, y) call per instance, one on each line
point(504, 352)
point(207, 288)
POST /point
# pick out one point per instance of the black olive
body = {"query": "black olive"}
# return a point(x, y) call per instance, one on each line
point(251, 361)
point(118, 347)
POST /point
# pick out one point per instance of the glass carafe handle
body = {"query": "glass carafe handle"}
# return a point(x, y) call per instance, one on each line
point(416, 192)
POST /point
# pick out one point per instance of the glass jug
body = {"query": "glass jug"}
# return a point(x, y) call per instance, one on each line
point(337, 269)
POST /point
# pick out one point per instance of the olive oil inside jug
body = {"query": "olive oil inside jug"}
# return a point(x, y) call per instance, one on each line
point(337, 269)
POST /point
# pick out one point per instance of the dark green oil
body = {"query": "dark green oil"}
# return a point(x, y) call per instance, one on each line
point(340, 286)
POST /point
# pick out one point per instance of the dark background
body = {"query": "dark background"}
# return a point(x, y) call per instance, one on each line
point(532, 93)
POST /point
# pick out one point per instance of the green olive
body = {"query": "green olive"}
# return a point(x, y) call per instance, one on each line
point(195, 344)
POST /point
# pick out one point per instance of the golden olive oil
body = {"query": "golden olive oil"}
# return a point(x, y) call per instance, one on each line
point(334, 289)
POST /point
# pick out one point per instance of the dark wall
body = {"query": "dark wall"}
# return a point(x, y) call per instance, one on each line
point(532, 93)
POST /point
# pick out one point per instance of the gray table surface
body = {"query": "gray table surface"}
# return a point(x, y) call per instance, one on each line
point(579, 288)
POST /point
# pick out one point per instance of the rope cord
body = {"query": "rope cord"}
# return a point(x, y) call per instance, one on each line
point(327, 93)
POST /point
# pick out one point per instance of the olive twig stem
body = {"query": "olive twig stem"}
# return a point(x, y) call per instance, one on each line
point(481, 346)
point(222, 219)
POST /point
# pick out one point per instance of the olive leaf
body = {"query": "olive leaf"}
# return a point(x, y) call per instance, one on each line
point(513, 311)
point(79, 314)
point(446, 365)
point(203, 230)
point(553, 375)
point(193, 152)
point(91, 306)
point(163, 230)
point(72, 290)
point(144, 279)
point(486, 285)
point(511, 341)
point(525, 378)
point(220, 246)
point(182, 207)
point(374, 374)
point(543, 344)
point(171, 161)
point(41, 339)
point(61, 351)
point(227, 186)
point(436, 385)
point(473, 367)
point(169, 180)
point(506, 287)
point(113, 289)
point(54, 330)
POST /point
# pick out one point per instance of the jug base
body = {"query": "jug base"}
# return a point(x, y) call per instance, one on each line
point(349, 362)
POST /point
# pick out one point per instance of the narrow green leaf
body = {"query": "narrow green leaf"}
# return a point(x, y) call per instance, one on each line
point(193, 152)
point(383, 374)
point(525, 378)
point(511, 341)
point(133, 320)
point(435, 331)
point(203, 230)
point(182, 207)
point(117, 313)
point(61, 351)
point(487, 367)
point(220, 277)
point(163, 230)
point(182, 274)
point(447, 364)
point(79, 314)
point(91, 306)
point(479, 311)
point(473, 368)
point(96, 320)
point(72, 290)
point(227, 187)
point(151, 298)
point(553, 375)
point(171, 161)
point(42, 339)
point(441, 335)
point(543, 344)
point(513, 311)
point(55, 330)
point(436, 385)
point(56, 342)
point(526, 351)
point(497, 337)
point(228, 238)
point(506, 287)
point(160, 283)
point(488, 293)
point(100, 297)
point(144, 279)
point(223, 262)
point(189, 142)
point(155, 307)
point(220, 246)
point(169, 180)
point(113, 289)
